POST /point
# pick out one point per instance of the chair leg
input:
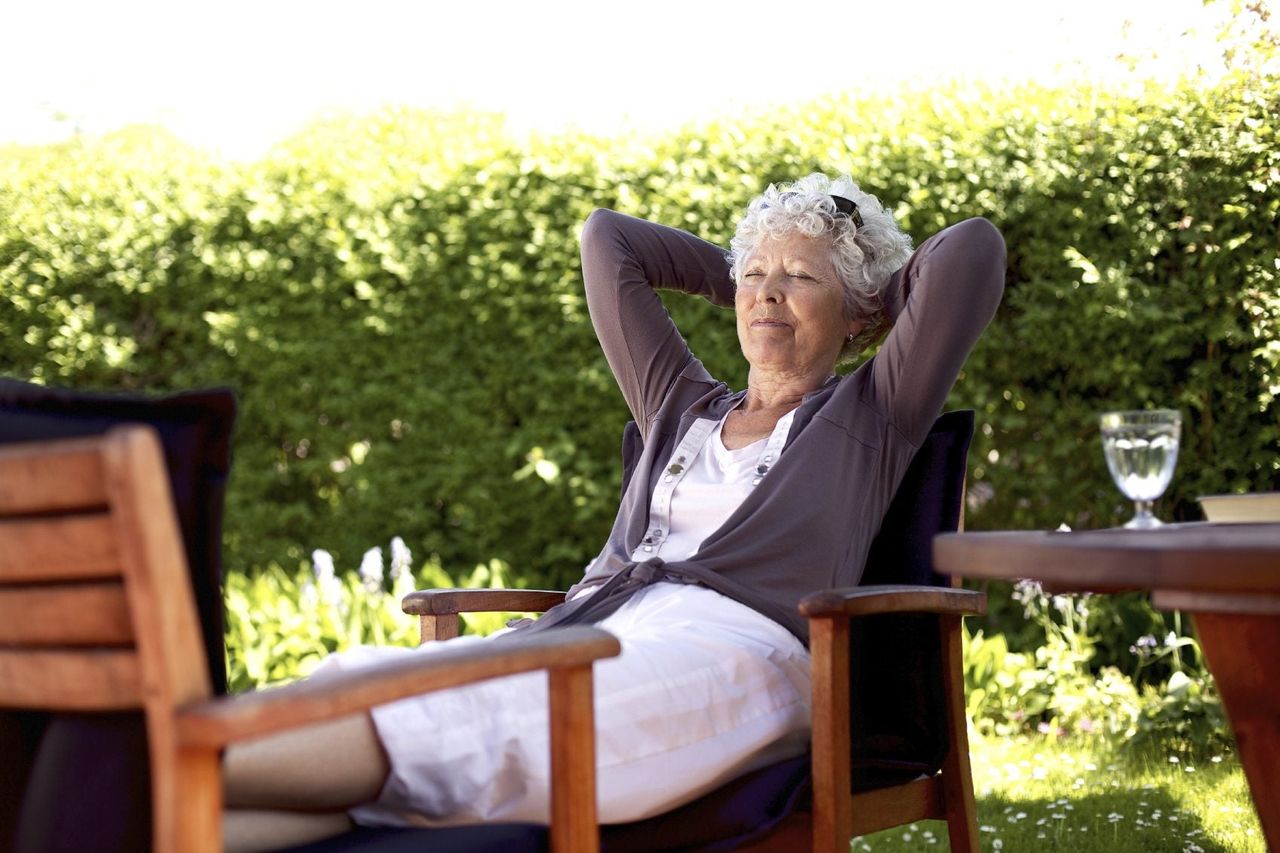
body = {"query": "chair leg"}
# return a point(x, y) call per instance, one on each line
point(195, 822)
point(832, 810)
point(957, 777)
point(432, 627)
point(574, 827)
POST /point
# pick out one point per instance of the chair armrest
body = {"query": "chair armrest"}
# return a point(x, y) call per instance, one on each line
point(226, 719)
point(876, 599)
point(447, 602)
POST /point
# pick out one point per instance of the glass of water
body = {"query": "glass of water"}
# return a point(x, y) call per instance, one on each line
point(1141, 450)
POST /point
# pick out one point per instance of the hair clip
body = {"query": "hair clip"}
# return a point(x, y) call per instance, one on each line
point(847, 207)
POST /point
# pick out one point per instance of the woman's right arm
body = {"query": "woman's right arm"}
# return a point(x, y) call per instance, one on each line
point(623, 260)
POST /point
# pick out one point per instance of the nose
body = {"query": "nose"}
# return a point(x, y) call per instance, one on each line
point(771, 289)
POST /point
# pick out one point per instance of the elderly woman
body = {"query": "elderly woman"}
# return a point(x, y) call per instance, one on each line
point(741, 503)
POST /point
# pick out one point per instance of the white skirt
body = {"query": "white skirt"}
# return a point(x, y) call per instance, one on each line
point(705, 689)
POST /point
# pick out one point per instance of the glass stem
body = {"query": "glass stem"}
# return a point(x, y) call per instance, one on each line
point(1143, 509)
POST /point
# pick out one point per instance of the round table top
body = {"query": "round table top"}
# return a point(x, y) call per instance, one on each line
point(1193, 557)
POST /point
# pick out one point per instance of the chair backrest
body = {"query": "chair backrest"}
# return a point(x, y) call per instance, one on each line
point(89, 549)
point(898, 717)
point(195, 429)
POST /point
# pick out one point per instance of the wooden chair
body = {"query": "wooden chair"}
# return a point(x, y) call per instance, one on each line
point(97, 615)
point(890, 745)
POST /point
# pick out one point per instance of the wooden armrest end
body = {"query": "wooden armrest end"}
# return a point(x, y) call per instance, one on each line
point(877, 599)
point(226, 719)
point(445, 602)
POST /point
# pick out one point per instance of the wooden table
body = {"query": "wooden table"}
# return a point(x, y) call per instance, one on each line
point(1227, 576)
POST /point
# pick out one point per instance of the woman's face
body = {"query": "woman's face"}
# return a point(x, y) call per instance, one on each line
point(790, 306)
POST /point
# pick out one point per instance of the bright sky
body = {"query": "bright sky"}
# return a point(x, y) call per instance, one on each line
point(238, 75)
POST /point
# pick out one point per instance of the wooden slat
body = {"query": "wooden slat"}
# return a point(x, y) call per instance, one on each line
point(98, 680)
point(77, 547)
point(35, 481)
point(882, 808)
point(65, 615)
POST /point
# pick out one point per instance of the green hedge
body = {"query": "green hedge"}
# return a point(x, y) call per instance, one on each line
point(397, 300)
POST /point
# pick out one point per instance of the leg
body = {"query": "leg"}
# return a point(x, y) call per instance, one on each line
point(245, 830)
point(705, 690)
point(327, 767)
point(1241, 650)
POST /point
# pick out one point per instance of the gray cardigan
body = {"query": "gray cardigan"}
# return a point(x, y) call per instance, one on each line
point(810, 522)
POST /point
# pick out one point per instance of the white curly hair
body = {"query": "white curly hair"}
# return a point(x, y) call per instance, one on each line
point(864, 255)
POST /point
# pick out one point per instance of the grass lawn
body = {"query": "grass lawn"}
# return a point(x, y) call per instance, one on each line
point(1038, 794)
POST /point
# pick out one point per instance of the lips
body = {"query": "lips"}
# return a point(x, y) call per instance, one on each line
point(769, 323)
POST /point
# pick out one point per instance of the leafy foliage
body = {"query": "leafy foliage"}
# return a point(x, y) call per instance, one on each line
point(1065, 689)
point(397, 300)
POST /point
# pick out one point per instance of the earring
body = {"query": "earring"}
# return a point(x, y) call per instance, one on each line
point(848, 339)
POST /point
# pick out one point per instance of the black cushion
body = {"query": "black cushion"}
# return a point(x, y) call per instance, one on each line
point(86, 775)
point(489, 838)
point(89, 786)
point(725, 819)
point(898, 712)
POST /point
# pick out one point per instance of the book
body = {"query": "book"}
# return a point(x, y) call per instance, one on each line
point(1241, 509)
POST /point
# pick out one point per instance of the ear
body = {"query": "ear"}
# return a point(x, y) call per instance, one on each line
point(855, 328)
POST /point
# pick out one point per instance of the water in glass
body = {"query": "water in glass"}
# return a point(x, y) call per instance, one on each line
point(1141, 449)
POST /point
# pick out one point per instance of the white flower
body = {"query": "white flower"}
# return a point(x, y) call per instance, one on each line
point(322, 564)
point(401, 558)
point(1029, 594)
point(329, 587)
point(1026, 589)
point(371, 570)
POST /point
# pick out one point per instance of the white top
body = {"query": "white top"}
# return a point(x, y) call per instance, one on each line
point(690, 503)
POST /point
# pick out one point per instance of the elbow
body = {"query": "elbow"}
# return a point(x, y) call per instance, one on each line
point(977, 247)
point(983, 239)
point(604, 247)
point(602, 228)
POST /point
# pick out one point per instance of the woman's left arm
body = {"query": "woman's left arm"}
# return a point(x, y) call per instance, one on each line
point(938, 304)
